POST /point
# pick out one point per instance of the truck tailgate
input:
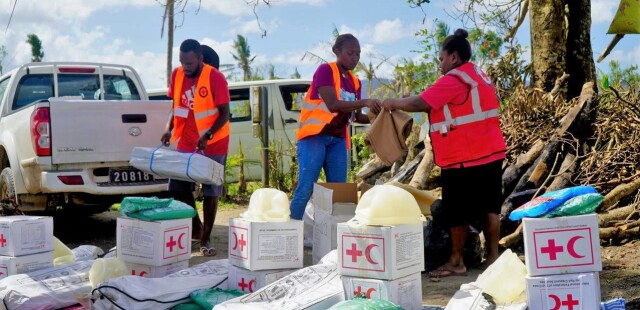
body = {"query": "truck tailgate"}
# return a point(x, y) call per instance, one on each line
point(104, 131)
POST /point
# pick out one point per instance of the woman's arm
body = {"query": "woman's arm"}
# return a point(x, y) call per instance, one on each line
point(409, 104)
point(328, 95)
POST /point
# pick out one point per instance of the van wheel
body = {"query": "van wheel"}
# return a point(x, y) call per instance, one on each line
point(7, 186)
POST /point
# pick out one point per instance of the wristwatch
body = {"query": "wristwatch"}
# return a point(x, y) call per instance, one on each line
point(209, 135)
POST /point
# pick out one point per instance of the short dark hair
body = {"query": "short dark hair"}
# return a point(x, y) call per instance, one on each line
point(191, 45)
point(342, 39)
point(210, 57)
point(457, 42)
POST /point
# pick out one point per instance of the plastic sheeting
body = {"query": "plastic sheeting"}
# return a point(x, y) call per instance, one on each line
point(166, 162)
point(314, 287)
point(51, 288)
point(169, 291)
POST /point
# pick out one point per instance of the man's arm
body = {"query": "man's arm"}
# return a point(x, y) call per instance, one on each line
point(166, 137)
point(223, 118)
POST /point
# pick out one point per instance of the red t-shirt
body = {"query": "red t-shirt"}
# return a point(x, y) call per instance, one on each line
point(189, 138)
point(324, 77)
point(449, 89)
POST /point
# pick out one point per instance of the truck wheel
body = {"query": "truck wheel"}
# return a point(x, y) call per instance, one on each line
point(7, 187)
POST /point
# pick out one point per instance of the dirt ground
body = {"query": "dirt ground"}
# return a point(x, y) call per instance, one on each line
point(620, 276)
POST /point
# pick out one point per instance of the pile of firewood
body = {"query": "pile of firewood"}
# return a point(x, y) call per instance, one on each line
point(552, 144)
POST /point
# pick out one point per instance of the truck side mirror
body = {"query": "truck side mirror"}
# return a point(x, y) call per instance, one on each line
point(254, 98)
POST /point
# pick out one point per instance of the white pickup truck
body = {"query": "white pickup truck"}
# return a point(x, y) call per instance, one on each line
point(67, 131)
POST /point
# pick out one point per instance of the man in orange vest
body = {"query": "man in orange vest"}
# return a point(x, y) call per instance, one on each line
point(199, 121)
point(467, 144)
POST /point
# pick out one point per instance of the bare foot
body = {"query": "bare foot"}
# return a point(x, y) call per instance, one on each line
point(448, 270)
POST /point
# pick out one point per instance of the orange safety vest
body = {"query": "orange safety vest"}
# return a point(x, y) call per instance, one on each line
point(315, 114)
point(205, 110)
point(469, 131)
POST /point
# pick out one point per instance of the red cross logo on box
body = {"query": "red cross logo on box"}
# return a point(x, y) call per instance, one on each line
point(176, 242)
point(243, 284)
point(367, 292)
point(563, 247)
point(568, 303)
point(238, 242)
point(141, 274)
point(4, 272)
point(363, 253)
point(3, 241)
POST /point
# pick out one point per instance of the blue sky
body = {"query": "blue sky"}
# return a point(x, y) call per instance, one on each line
point(128, 31)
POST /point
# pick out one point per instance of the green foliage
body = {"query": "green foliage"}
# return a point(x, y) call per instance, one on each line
point(486, 45)
point(417, 3)
point(37, 52)
point(243, 56)
point(285, 181)
point(362, 154)
point(624, 78)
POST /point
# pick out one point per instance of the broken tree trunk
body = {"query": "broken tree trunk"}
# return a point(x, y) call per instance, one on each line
point(617, 233)
point(618, 193)
point(548, 155)
point(615, 215)
point(514, 171)
point(563, 178)
point(371, 167)
point(405, 174)
point(420, 177)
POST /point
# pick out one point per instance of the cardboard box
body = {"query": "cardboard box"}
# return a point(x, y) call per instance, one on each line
point(561, 245)
point(155, 243)
point(569, 291)
point(23, 235)
point(333, 203)
point(148, 271)
point(380, 252)
point(248, 281)
point(405, 292)
point(12, 265)
point(265, 245)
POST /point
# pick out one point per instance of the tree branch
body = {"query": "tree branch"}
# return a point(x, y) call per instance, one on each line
point(523, 14)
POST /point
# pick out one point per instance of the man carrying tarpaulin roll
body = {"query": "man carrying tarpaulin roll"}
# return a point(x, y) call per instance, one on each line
point(198, 121)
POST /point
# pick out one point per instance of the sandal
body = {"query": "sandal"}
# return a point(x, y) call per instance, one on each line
point(211, 251)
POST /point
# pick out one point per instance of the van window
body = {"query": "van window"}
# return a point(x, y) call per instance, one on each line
point(293, 96)
point(31, 88)
point(239, 106)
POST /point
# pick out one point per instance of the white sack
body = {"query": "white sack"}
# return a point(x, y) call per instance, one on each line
point(191, 167)
point(172, 289)
point(470, 297)
point(87, 252)
point(51, 288)
point(315, 287)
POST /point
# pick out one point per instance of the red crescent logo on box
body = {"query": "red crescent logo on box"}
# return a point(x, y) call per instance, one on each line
point(564, 247)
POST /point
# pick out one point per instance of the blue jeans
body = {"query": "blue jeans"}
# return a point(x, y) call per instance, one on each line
point(315, 153)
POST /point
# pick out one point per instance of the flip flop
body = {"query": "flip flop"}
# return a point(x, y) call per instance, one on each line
point(208, 251)
point(443, 273)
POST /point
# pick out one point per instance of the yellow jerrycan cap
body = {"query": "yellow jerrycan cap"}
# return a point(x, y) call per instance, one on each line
point(387, 205)
point(268, 205)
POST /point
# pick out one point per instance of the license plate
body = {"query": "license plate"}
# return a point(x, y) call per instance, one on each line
point(128, 175)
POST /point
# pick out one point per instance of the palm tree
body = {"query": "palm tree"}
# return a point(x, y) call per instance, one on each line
point(37, 54)
point(243, 56)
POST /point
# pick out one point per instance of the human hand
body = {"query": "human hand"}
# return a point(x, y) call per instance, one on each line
point(387, 104)
point(202, 142)
point(166, 138)
point(373, 105)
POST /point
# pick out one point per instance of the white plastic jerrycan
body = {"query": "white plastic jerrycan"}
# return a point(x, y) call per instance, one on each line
point(268, 205)
point(387, 205)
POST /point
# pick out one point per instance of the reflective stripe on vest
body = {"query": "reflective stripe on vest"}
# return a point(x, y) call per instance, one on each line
point(477, 116)
point(204, 107)
point(315, 113)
